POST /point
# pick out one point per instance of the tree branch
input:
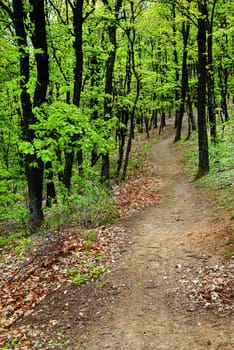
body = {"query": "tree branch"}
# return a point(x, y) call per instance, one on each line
point(58, 12)
point(6, 8)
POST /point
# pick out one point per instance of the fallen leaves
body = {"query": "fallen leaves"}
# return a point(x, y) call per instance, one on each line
point(213, 288)
point(24, 284)
point(138, 193)
point(207, 288)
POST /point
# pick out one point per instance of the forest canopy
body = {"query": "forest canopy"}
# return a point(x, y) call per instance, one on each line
point(78, 79)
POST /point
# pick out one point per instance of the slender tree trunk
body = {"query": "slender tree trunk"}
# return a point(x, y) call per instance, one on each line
point(203, 167)
point(105, 170)
point(210, 77)
point(162, 122)
point(77, 10)
point(124, 113)
point(78, 47)
point(154, 119)
point(223, 84)
point(122, 134)
point(175, 54)
point(50, 188)
point(223, 70)
point(138, 87)
point(78, 70)
point(191, 119)
point(184, 86)
point(129, 145)
point(94, 83)
point(146, 120)
point(67, 173)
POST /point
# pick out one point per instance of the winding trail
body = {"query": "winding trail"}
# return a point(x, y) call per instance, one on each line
point(149, 312)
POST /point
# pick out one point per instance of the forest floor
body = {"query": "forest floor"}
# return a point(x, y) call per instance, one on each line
point(169, 284)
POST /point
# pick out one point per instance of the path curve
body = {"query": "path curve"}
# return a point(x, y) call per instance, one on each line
point(148, 312)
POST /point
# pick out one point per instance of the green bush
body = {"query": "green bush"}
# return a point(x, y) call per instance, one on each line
point(90, 207)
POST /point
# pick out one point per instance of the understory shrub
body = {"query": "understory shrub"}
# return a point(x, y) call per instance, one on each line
point(90, 207)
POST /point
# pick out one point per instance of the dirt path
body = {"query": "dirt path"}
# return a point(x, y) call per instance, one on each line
point(148, 310)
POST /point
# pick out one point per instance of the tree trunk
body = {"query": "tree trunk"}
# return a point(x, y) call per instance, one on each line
point(191, 119)
point(132, 115)
point(154, 118)
point(67, 174)
point(129, 145)
point(122, 134)
point(35, 176)
point(124, 113)
point(50, 188)
point(39, 42)
point(203, 167)
point(223, 70)
point(223, 84)
point(162, 122)
point(33, 165)
point(146, 120)
point(78, 47)
point(184, 86)
point(105, 172)
point(94, 83)
point(210, 78)
point(77, 10)
point(175, 54)
point(78, 70)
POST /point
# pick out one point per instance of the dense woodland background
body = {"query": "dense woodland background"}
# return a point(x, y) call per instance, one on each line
point(79, 79)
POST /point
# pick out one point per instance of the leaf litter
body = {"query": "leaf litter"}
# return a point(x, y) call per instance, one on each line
point(212, 288)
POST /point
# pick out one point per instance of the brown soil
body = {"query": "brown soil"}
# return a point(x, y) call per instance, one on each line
point(151, 300)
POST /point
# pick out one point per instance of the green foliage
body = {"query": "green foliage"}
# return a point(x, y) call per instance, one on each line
point(12, 206)
point(90, 237)
point(97, 270)
point(93, 272)
point(13, 212)
point(100, 257)
point(22, 247)
point(63, 128)
point(77, 278)
point(90, 206)
point(13, 237)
